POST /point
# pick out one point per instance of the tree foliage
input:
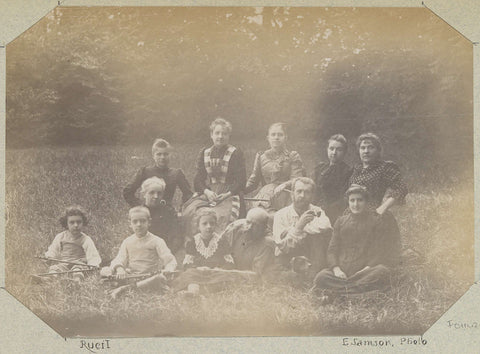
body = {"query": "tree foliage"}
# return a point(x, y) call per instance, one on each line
point(128, 75)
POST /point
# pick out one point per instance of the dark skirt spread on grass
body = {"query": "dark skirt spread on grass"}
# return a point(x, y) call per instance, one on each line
point(228, 176)
point(331, 183)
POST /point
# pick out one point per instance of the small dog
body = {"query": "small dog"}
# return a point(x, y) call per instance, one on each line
point(300, 265)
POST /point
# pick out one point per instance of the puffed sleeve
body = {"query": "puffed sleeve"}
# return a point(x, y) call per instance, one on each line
point(396, 188)
point(296, 163)
point(91, 252)
point(131, 188)
point(256, 176)
point(296, 168)
point(55, 247)
point(199, 181)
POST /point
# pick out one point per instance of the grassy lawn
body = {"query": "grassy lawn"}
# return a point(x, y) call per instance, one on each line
point(437, 222)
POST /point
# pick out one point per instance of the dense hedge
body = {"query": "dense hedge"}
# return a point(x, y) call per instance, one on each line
point(127, 75)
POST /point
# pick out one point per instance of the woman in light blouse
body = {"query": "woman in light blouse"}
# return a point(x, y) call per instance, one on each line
point(274, 169)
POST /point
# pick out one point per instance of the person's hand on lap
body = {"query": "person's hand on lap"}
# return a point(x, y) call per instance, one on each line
point(222, 197)
point(339, 273)
point(211, 196)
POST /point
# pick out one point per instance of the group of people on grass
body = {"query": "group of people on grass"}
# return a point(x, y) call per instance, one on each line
point(285, 234)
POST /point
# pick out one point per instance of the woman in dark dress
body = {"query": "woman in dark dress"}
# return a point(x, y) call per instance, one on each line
point(219, 180)
point(174, 177)
point(332, 179)
point(382, 179)
point(164, 222)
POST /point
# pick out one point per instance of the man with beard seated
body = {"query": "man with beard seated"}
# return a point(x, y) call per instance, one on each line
point(302, 229)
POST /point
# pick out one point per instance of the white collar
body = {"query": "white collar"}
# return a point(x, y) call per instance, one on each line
point(210, 250)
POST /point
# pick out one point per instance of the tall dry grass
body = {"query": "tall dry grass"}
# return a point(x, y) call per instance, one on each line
point(436, 222)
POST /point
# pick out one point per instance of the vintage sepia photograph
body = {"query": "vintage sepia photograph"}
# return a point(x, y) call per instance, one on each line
point(239, 171)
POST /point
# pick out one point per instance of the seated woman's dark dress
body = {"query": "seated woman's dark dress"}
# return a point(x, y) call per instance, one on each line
point(228, 176)
point(165, 225)
point(173, 177)
point(382, 180)
point(359, 241)
point(332, 181)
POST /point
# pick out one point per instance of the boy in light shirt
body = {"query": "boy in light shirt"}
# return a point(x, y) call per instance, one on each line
point(142, 253)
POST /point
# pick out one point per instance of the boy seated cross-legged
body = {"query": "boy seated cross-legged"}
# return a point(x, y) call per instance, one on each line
point(142, 254)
